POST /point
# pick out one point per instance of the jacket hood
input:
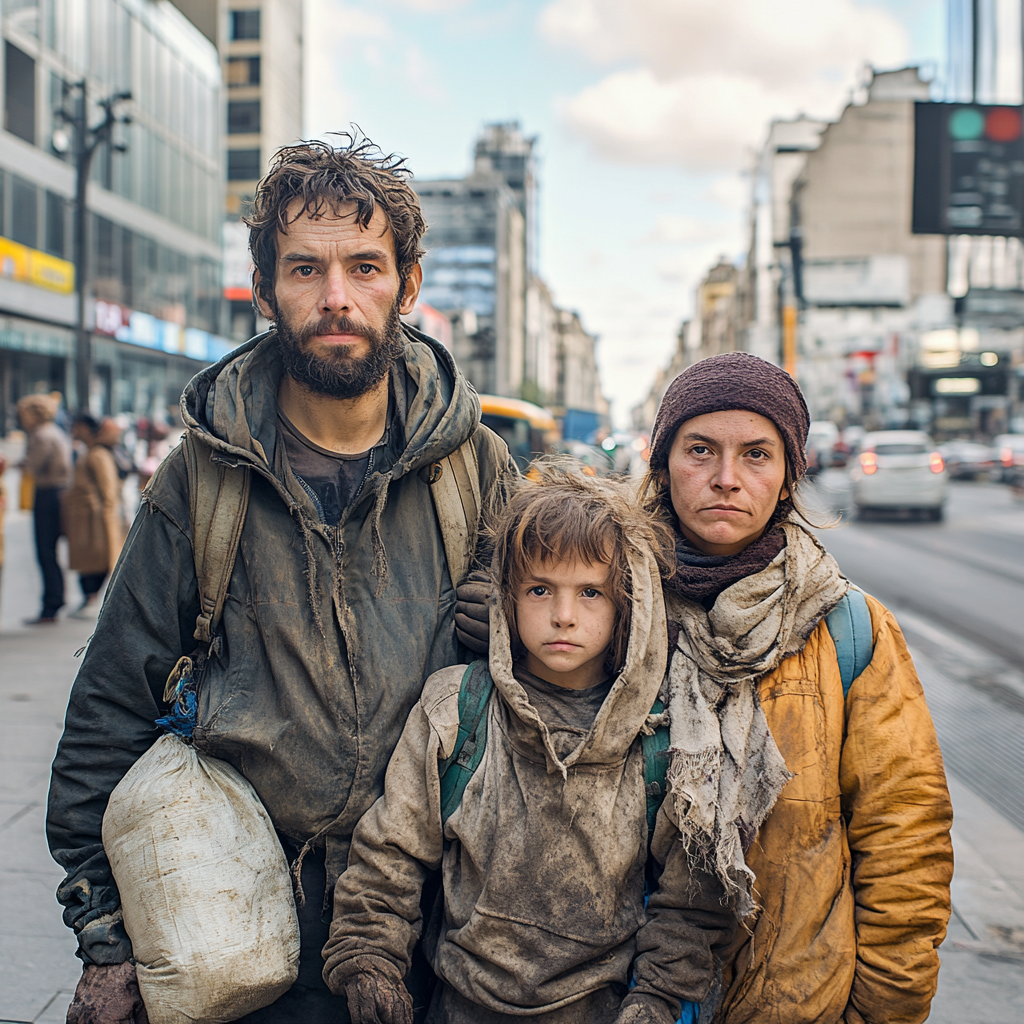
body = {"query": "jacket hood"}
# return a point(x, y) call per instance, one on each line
point(232, 405)
point(626, 711)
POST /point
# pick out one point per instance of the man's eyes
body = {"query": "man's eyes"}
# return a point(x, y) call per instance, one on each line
point(367, 268)
point(591, 592)
point(305, 271)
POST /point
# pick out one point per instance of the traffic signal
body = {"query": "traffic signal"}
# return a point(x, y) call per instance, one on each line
point(968, 169)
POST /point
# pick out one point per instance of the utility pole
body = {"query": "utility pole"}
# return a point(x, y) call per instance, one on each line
point(86, 140)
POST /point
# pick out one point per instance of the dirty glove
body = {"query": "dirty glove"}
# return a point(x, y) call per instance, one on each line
point(376, 994)
point(473, 612)
point(108, 994)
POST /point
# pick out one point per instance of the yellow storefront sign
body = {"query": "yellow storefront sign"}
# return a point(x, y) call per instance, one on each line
point(30, 266)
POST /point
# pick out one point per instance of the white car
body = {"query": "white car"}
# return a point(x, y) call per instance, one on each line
point(897, 470)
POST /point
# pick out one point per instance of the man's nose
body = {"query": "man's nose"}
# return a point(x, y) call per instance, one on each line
point(335, 297)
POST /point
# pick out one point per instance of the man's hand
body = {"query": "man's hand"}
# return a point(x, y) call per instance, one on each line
point(109, 995)
point(473, 613)
point(377, 995)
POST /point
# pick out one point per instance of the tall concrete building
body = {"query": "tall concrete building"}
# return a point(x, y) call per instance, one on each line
point(261, 53)
point(476, 266)
point(153, 294)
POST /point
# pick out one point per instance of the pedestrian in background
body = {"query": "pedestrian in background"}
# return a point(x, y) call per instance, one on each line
point(825, 813)
point(48, 460)
point(93, 509)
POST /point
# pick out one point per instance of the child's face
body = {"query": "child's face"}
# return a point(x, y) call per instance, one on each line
point(566, 621)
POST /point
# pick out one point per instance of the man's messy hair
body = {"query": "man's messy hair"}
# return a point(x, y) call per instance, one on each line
point(559, 513)
point(326, 177)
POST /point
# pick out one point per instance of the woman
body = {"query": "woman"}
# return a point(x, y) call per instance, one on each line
point(826, 817)
point(93, 510)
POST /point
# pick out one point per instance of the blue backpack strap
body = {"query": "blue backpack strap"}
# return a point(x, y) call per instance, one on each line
point(457, 769)
point(656, 757)
point(849, 623)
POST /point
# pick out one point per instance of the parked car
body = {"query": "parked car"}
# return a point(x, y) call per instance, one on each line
point(1010, 449)
point(822, 437)
point(967, 460)
point(899, 470)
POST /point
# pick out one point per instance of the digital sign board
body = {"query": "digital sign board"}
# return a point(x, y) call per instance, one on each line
point(968, 169)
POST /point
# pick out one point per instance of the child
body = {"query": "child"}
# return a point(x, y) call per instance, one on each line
point(543, 840)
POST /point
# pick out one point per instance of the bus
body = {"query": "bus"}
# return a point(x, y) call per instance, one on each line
point(527, 429)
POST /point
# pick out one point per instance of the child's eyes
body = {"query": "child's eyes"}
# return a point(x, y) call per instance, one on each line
point(538, 591)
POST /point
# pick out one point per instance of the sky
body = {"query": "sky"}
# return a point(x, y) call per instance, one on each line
point(647, 115)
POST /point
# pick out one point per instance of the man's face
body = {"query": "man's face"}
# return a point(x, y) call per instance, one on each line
point(336, 301)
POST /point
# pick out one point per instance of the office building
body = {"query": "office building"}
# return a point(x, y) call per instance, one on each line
point(261, 53)
point(154, 295)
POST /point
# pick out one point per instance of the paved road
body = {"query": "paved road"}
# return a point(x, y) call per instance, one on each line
point(950, 609)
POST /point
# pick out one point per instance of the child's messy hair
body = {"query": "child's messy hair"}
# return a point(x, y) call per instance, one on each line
point(560, 513)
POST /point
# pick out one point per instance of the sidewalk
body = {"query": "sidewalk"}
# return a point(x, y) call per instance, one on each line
point(982, 977)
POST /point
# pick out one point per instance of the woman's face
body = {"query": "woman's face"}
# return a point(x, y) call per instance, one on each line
point(726, 474)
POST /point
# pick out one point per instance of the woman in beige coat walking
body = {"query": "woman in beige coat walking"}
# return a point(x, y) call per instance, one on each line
point(93, 510)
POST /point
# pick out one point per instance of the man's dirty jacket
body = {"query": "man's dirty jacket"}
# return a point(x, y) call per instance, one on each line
point(327, 632)
point(543, 860)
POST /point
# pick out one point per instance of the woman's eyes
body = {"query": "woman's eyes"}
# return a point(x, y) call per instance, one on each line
point(757, 454)
point(700, 449)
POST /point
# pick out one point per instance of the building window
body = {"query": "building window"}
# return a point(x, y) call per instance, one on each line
point(245, 24)
point(244, 164)
point(243, 71)
point(55, 224)
point(20, 94)
point(24, 212)
point(243, 117)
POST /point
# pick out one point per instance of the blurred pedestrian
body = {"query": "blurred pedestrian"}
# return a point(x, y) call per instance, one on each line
point(48, 460)
point(825, 813)
point(3, 510)
point(93, 509)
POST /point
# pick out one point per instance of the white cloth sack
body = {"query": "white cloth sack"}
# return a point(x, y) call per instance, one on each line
point(205, 888)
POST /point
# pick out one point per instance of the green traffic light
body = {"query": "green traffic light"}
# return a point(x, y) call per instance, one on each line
point(966, 123)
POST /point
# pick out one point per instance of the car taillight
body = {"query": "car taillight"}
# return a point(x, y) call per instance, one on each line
point(935, 463)
point(869, 463)
point(1006, 454)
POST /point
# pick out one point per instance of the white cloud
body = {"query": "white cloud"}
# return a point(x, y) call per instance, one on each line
point(685, 230)
point(694, 82)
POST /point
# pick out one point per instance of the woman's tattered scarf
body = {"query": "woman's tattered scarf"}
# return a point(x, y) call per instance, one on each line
point(726, 772)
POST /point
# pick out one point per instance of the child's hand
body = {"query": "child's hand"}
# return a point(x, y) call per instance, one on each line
point(473, 613)
point(377, 995)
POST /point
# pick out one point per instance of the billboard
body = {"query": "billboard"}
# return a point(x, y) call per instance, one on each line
point(968, 169)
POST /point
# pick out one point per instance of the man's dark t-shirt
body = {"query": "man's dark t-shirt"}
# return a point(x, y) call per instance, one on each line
point(334, 479)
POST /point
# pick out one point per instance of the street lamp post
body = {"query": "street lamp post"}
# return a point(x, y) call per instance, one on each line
point(86, 140)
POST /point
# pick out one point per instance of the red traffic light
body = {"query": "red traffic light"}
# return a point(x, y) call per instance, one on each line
point(1003, 124)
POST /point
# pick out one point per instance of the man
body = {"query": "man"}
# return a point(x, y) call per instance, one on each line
point(48, 461)
point(340, 603)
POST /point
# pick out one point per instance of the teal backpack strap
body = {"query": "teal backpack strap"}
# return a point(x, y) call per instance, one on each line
point(656, 757)
point(849, 623)
point(457, 769)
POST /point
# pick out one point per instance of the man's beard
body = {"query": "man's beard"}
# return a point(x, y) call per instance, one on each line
point(339, 374)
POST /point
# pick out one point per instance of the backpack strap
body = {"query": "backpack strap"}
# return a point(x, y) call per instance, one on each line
point(849, 624)
point(457, 769)
point(455, 488)
point(656, 758)
point(218, 500)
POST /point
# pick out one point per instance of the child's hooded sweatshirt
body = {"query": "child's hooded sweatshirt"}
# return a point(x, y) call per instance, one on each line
point(543, 861)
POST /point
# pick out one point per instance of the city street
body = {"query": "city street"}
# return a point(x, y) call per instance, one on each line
point(956, 587)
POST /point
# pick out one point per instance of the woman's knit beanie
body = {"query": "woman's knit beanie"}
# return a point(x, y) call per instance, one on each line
point(733, 380)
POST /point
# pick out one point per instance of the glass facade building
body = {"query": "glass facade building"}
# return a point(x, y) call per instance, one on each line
point(156, 209)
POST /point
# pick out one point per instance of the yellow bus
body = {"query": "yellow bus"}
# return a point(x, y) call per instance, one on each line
point(527, 429)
